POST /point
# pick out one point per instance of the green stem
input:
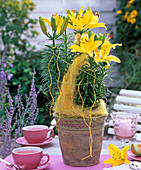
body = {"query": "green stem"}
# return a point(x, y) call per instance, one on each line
point(53, 39)
point(66, 48)
point(53, 42)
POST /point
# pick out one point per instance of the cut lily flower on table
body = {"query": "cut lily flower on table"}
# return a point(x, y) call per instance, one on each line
point(118, 156)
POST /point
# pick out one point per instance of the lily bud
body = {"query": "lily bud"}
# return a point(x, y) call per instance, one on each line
point(53, 24)
point(43, 26)
point(64, 25)
point(103, 38)
point(68, 12)
point(96, 37)
point(90, 33)
point(89, 8)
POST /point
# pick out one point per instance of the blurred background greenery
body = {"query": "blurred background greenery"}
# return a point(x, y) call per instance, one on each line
point(17, 29)
point(128, 22)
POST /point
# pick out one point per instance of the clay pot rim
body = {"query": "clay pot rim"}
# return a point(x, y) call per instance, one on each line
point(70, 118)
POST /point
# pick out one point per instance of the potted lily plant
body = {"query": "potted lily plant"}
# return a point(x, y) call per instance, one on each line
point(80, 108)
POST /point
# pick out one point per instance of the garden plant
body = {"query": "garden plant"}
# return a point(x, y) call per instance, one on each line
point(16, 113)
point(17, 28)
point(129, 33)
point(81, 91)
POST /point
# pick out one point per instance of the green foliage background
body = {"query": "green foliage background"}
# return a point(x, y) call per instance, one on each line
point(15, 24)
point(129, 35)
point(16, 29)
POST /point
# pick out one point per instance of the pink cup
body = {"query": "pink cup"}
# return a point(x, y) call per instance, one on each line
point(29, 157)
point(36, 133)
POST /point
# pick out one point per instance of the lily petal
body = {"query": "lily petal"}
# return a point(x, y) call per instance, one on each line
point(109, 161)
point(113, 58)
point(97, 56)
point(72, 27)
point(97, 59)
point(126, 161)
point(117, 162)
point(114, 45)
point(91, 39)
point(47, 21)
point(108, 65)
point(124, 152)
point(76, 48)
point(90, 26)
point(113, 162)
point(73, 20)
point(87, 17)
point(81, 10)
point(112, 149)
point(95, 45)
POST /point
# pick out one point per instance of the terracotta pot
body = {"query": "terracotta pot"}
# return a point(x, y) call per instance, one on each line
point(74, 140)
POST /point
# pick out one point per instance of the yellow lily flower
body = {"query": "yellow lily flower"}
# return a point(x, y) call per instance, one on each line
point(118, 156)
point(59, 20)
point(78, 38)
point(103, 55)
point(87, 46)
point(82, 21)
point(107, 44)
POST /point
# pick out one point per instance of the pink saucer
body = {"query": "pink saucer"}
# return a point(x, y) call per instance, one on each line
point(38, 168)
point(134, 157)
point(23, 142)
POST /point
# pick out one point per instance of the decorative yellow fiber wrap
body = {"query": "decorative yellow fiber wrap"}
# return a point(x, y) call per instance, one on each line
point(65, 105)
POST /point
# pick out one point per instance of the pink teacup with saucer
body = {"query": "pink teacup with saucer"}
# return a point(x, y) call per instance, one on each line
point(36, 133)
point(29, 157)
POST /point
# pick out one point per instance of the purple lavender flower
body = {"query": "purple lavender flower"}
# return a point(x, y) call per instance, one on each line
point(3, 57)
point(4, 65)
point(6, 129)
point(3, 80)
point(18, 116)
point(32, 101)
point(9, 76)
point(6, 125)
point(11, 65)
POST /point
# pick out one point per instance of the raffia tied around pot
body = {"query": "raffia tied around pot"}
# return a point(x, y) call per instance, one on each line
point(65, 105)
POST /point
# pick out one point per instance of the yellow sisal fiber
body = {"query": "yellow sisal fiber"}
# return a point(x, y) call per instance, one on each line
point(65, 105)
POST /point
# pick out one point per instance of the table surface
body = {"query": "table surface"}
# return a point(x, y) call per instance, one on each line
point(56, 160)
